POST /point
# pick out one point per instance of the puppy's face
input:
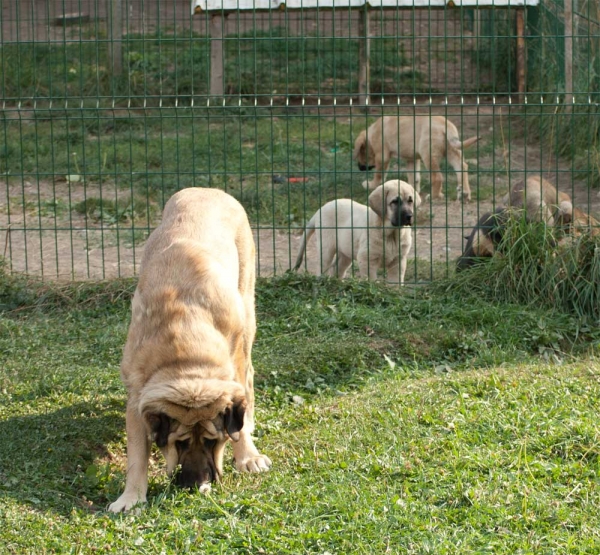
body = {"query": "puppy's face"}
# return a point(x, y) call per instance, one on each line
point(479, 245)
point(196, 449)
point(482, 241)
point(395, 202)
point(363, 154)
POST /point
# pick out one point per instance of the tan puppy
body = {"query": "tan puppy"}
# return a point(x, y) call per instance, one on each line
point(376, 236)
point(187, 362)
point(413, 139)
point(582, 222)
point(484, 238)
point(541, 201)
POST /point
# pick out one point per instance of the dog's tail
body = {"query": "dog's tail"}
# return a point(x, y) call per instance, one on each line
point(308, 232)
point(457, 143)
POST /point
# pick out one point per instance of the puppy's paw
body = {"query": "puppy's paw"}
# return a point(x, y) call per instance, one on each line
point(365, 185)
point(253, 463)
point(126, 502)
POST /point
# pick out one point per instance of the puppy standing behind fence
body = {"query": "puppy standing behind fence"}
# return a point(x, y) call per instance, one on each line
point(377, 235)
point(413, 139)
point(187, 362)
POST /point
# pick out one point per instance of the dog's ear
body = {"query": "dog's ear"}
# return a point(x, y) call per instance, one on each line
point(377, 201)
point(417, 199)
point(360, 146)
point(564, 213)
point(233, 419)
point(160, 424)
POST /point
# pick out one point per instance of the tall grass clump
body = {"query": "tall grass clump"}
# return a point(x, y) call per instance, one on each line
point(535, 266)
point(566, 127)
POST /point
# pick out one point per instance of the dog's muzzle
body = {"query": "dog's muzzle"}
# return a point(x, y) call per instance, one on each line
point(190, 477)
point(405, 220)
point(364, 168)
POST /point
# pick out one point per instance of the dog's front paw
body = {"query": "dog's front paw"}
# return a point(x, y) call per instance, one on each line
point(253, 463)
point(462, 196)
point(365, 184)
point(126, 502)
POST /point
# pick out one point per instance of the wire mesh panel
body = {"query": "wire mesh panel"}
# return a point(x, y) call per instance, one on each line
point(111, 106)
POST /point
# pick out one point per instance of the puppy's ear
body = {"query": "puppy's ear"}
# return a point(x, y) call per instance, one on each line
point(360, 146)
point(377, 201)
point(233, 419)
point(564, 214)
point(160, 424)
point(417, 199)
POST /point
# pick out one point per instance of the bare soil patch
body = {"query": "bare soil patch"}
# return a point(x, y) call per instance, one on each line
point(40, 235)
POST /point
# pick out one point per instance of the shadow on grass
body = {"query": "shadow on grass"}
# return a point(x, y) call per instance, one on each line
point(48, 461)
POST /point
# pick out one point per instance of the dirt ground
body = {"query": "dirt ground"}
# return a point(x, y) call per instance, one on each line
point(70, 245)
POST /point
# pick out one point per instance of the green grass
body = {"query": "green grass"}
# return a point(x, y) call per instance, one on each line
point(408, 423)
point(250, 153)
point(171, 66)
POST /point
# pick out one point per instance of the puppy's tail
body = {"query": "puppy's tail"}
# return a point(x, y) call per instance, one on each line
point(457, 143)
point(308, 232)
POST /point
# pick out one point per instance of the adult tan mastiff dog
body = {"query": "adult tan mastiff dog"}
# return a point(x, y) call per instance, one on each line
point(187, 362)
point(377, 235)
point(413, 139)
point(541, 201)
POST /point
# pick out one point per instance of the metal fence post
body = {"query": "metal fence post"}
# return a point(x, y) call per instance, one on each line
point(521, 54)
point(364, 53)
point(216, 54)
point(568, 54)
point(115, 31)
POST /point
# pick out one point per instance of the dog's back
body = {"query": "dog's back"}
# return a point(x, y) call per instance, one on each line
point(541, 201)
point(337, 220)
point(194, 215)
point(192, 282)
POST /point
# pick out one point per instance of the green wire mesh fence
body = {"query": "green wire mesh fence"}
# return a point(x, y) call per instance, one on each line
point(108, 107)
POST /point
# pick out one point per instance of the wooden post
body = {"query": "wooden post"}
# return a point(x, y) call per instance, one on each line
point(216, 54)
point(364, 56)
point(568, 54)
point(115, 32)
point(521, 55)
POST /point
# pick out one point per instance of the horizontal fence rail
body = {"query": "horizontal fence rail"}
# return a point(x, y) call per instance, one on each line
point(108, 108)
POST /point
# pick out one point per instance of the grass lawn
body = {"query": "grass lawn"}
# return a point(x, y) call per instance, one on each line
point(414, 422)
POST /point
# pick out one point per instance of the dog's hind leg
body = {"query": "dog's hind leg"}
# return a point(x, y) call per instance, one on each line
point(341, 265)
point(456, 160)
point(435, 177)
point(413, 174)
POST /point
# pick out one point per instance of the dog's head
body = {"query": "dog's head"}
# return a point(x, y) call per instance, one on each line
point(362, 153)
point(483, 239)
point(191, 420)
point(564, 214)
point(395, 202)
